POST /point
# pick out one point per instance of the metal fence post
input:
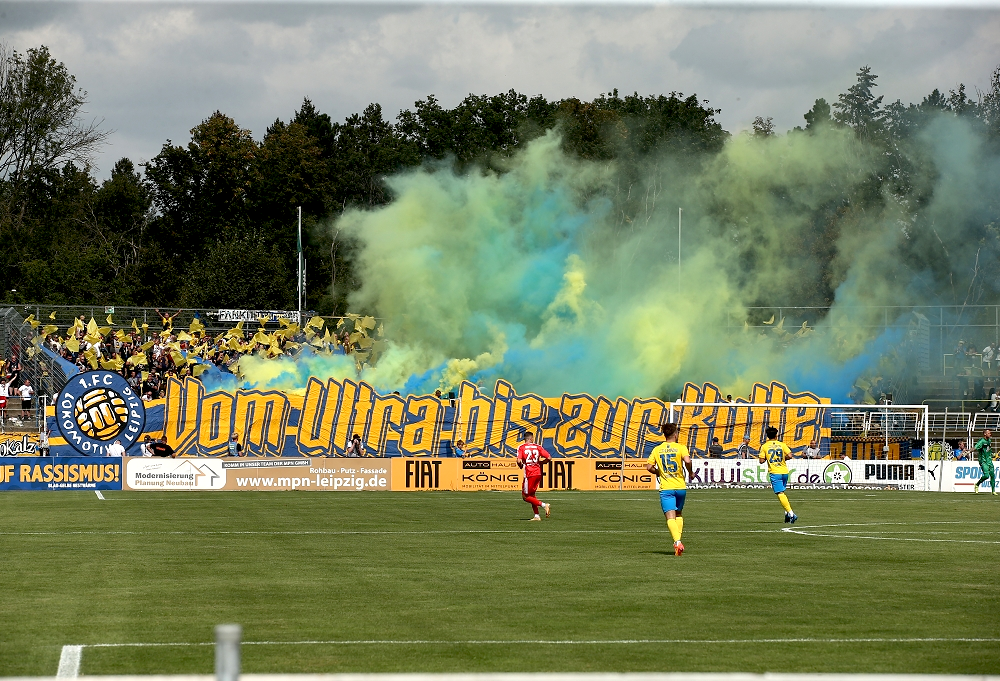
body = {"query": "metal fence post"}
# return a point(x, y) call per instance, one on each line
point(227, 652)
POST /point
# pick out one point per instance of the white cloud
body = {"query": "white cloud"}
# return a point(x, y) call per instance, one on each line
point(155, 71)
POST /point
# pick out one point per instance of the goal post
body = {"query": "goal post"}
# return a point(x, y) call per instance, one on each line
point(846, 432)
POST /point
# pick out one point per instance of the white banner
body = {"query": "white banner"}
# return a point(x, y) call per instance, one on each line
point(814, 474)
point(961, 476)
point(174, 474)
point(253, 315)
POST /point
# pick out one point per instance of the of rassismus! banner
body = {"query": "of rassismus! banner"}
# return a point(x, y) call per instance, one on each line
point(63, 473)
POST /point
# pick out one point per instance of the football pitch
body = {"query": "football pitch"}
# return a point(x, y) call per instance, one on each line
point(462, 582)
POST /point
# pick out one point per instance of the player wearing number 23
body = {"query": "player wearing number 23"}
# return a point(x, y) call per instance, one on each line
point(776, 453)
point(666, 462)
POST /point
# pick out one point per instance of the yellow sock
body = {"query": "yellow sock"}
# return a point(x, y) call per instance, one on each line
point(680, 525)
point(675, 529)
point(784, 502)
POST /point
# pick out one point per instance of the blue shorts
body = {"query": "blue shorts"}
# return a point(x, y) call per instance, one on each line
point(672, 499)
point(778, 482)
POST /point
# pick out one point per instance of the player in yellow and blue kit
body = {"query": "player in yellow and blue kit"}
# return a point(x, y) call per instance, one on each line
point(665, 462)
point(775, 453)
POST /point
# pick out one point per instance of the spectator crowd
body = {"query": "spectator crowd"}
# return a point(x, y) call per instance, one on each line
point(148, 358)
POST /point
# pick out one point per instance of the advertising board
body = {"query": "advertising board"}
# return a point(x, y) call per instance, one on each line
point(258, 474)
point(961, 476)
point(409, 474)
point(63, 473)
point(811, 474)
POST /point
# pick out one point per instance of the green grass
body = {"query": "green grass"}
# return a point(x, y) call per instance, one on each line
point(459, 567)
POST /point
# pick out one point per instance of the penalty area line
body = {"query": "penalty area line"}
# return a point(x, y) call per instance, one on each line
point(99, 495)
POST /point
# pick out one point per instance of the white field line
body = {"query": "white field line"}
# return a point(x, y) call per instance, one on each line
point(848, 533)
point(359, 532)
point(801, 529)
point(69, 662)
point(559, 642)
point(99, 495)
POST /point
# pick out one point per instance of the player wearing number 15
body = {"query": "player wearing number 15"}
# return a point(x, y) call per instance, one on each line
point(665, 462)
point(775, 453)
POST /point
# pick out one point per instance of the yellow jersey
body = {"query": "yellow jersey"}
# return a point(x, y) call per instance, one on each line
point(776, 453)
point(669, 459)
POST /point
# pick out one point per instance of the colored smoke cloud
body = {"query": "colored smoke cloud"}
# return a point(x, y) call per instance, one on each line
point(537, 276)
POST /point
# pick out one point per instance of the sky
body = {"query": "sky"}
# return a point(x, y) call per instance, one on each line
point(153, 71)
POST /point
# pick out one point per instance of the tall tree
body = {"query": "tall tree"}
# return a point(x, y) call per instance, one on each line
point(859, 108)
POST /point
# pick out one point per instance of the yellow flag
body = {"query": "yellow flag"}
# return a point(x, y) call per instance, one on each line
point(197, 326)
point(770, 321)
point(115, 364)
point(92, 326)
point(368, 323)
point(138, 360)
point(73, 345)
point(147, 345)
point(110, 322)
point(199, 369)
point(184, 336)
point(135, 325)
point(53, 315)
point(104, 330)
point(50, 329)
point(316, 322)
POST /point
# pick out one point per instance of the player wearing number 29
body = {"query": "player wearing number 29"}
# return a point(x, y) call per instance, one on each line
point(776, 453)
point(529, 456)
point(665, 462)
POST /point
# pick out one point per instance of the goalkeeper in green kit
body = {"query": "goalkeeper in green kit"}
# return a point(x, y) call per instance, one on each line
point(984, 450)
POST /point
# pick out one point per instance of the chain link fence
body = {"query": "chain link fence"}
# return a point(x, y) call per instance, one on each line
point(32, 363)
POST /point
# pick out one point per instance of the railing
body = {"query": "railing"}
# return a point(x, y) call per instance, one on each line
point(18, 347)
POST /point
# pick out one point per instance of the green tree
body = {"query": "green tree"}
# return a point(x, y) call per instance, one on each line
point(40, 127)
point(202, 193)
point(763, 127)
point(859, 108)
point(818, 115)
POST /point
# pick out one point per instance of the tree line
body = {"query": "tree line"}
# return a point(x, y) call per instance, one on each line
point(211, 222)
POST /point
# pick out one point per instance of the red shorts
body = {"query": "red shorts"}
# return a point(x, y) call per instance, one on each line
point(530, 485)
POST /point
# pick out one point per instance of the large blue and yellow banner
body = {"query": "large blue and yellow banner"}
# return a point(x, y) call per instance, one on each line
point(96, 408)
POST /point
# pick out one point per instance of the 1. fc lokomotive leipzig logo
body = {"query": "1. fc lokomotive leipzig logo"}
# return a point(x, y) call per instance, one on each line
point(96, 408)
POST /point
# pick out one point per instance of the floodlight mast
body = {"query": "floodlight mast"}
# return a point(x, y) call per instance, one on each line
point(923, 408)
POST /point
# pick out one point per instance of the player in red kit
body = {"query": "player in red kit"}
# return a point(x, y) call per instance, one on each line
point(529, 456)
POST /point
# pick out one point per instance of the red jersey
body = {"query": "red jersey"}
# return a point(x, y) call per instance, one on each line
point(529, 455)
